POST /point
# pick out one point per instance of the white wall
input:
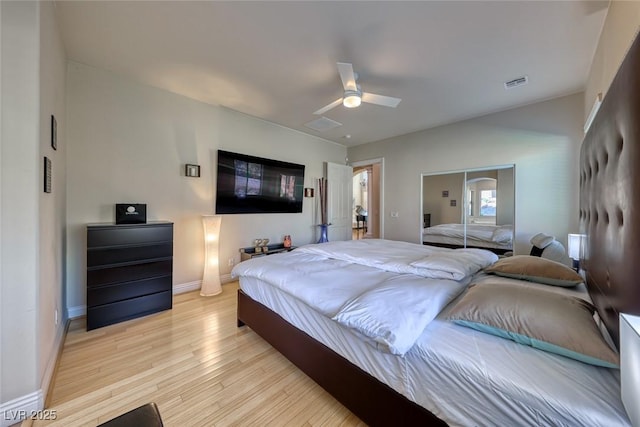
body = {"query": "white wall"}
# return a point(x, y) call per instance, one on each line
point(33, 68)
point(51, 304)
point(620, 28)
point(129, 143)
point(20, 164)
point(506, 192)
point(20, 184)
point(542, 140)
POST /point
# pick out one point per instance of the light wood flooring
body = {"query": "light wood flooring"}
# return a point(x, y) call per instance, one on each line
point(199, 368)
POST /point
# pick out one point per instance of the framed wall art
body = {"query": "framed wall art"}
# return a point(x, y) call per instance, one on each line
point(47, 175)
point(192, 170)
point(54, 133)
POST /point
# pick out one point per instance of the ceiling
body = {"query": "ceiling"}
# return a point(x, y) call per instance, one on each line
point(446, 60)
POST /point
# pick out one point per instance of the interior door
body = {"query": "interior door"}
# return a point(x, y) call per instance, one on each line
point(340, 195)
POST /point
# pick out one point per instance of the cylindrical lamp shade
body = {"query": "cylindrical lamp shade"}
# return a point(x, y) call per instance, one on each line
point(574, 241)
point(211, 277)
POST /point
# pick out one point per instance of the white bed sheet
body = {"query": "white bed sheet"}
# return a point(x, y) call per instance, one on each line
point(468, 378)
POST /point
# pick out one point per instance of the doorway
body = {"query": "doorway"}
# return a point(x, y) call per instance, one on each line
point(367, 199)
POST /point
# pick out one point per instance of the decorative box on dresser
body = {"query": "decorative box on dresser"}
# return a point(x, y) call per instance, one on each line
point(129, 271)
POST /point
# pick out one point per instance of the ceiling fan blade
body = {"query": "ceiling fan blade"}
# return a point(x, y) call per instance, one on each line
point(347, 75)
point(387, 101)
point(329, 107)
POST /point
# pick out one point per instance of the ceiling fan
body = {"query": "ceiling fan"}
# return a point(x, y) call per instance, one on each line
point(353, 95)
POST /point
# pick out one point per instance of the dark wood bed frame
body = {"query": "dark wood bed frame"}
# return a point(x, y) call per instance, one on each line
point(609, 216)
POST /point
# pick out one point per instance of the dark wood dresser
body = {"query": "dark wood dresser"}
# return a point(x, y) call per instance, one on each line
point(129, 271)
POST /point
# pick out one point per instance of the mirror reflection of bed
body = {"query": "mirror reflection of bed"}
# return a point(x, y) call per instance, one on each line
point(469, 208)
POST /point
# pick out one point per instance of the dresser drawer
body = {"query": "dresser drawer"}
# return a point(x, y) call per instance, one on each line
point(108, 314)
point(128, 273)
point(112, 293)
point(128, 235)
point(118, 255)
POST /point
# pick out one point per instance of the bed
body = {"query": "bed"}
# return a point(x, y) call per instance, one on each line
point(386, 389)
point(428, 361)
point(496, 238)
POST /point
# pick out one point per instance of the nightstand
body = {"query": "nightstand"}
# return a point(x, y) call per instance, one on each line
point(276, 248)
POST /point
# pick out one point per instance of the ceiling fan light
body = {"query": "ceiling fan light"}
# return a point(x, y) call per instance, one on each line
point(352, 100)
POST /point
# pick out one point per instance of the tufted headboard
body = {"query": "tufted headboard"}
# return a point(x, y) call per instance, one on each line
point(610, 197)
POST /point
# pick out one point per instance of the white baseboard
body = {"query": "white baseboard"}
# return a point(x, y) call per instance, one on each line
point(181, 288)
point(47, 377)
point(21, 408)
point(197, 284)
point(77, 311)
point(81, 310)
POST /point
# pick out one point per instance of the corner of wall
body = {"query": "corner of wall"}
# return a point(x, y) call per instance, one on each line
point(21, 408)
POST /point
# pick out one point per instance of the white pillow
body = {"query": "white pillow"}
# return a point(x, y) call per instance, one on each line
point(555, 251)
point(502, 234)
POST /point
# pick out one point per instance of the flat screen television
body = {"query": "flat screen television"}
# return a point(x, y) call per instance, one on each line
point(249, 184)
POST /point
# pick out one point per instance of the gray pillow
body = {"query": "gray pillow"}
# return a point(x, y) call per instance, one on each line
point(535, 269)
point(541, 319)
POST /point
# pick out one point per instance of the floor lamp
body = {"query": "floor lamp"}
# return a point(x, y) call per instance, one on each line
point(211, 277)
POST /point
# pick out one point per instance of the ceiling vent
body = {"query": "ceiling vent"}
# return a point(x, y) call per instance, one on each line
point(322, 124)
point(516, 82)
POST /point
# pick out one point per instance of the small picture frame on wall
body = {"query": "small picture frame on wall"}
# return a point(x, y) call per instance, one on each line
point(192, 170)
point(47, 175)
point(445, 193)
point(54, 133)
point(452, 203)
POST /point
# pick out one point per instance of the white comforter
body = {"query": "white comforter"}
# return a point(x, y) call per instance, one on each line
point(384, 290)
point(404, 257)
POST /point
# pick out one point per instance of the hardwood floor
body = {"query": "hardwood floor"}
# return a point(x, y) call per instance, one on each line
point(199, 368)
point(357, 234)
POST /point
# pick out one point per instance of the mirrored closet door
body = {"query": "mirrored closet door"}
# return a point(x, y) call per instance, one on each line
point(469, 208)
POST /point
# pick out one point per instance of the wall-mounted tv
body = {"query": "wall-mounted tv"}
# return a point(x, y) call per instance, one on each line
point(249, 184)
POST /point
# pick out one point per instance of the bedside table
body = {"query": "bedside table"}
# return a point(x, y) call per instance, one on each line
point(276, 248)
